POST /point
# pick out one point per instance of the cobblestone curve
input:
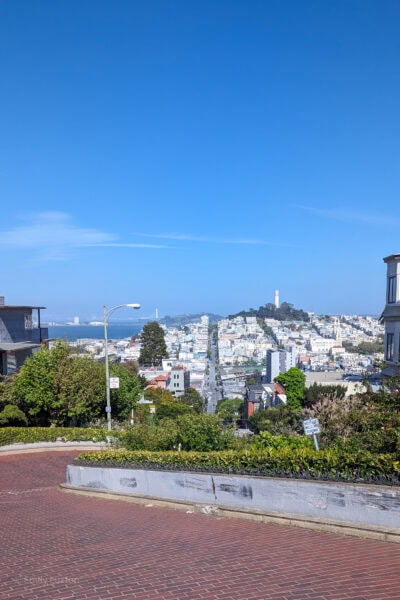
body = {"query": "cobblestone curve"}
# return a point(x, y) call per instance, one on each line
point(61, 546)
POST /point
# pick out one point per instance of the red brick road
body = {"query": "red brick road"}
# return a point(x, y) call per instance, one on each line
point(56, 545)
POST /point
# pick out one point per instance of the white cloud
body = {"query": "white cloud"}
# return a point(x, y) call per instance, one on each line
point(209, 239)
point(344, 214)
point(53, 236)
point(127, 245)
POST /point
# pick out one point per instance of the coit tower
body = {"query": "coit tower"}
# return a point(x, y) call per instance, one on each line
point(276, 299)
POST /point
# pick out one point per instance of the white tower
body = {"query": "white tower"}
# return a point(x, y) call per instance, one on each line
point(276, 299)
point(156, 314)
point(337, 329)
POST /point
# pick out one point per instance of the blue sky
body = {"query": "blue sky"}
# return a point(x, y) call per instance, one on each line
point(194, 155)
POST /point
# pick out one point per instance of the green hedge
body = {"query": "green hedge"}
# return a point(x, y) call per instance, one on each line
point(328, 465)
point(29, 435)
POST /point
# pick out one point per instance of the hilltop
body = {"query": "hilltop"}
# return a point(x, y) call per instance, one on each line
point(286, 312)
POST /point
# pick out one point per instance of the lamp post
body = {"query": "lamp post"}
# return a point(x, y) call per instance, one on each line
point(106, 315)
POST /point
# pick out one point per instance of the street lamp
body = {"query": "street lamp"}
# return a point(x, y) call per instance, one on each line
point(106, 315)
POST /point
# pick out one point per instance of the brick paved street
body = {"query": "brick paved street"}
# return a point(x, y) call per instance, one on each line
point(57, 545)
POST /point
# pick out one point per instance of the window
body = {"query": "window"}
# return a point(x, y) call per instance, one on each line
point(28, 321)
point(392, 285)
point(389, 346)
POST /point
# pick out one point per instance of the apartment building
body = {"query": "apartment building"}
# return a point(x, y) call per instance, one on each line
point(391, 316)
point(279, 361)
point(21, 334)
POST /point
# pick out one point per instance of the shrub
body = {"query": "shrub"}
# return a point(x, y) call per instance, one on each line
point(171, 409)
point(203, 433)
point(282, 420)
point(266, 440)
point(12, 415)
point(376, 441)
point(30, 435)
point(151, 436)
point(188, 432)
point(337, 416)
point(303, 463)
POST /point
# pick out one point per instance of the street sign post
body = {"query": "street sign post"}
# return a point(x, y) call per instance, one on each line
point(312, 427)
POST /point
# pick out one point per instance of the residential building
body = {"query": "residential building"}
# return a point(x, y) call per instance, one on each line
point(391, 315)
point(259, 397)
point(288, 358)
point(273, 364)
point(21, 334)
point(279, 361)
point(178, 381)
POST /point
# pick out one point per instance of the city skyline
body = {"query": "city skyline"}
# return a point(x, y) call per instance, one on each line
point(196, 156)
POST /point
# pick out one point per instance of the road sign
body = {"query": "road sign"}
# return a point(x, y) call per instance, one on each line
point(114, 383)
point(311, 426)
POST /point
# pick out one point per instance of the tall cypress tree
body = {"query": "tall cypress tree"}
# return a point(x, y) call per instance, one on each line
point(153, 347)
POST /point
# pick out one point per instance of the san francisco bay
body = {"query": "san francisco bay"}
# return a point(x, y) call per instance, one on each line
point(115, 331)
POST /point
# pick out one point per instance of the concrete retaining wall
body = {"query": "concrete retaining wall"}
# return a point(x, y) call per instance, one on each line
point(354, 504)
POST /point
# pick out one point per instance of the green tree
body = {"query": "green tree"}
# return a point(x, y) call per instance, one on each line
point(153, 347)
point(294, 382)
point(124, 398)
point(202, 433)
point(172, 409)
point(317, 391)
point(156, 395)
point(282, 420)
point(192, 398)
point(6, 390)
point(230, 411)
point(365, 348)
point(54, 386)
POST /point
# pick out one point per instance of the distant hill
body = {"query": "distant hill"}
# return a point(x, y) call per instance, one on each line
point(179, 320)
point(286, 312)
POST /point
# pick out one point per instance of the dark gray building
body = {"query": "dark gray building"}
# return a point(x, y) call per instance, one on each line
point(21, 334)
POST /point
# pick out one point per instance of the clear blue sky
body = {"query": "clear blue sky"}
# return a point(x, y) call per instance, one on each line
point(194, 155)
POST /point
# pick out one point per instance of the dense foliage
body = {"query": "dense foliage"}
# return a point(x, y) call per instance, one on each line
point(294, 382)
point(57, 387)
point(366, 348)
point(286, 312)
point(267, 440)
point(192, 398)
point(189, 431)
point(366, 422)
point(282, 420)
point(317, 391)
point(30, 435)
point(230, 410)
point(12, 415)
point(300, 463)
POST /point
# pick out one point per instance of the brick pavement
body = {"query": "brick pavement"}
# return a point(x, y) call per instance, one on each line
point(61, 546)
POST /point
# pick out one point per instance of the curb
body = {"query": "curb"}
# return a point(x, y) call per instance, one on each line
point(56, 447)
